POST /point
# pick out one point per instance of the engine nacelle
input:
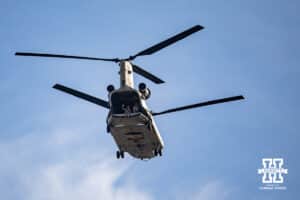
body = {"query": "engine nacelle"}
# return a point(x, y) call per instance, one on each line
point(110, 88)
point(146, 93)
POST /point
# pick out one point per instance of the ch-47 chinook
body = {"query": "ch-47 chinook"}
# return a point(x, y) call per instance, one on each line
point(129, 120)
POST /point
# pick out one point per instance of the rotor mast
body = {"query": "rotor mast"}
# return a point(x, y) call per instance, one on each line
point(126, 74)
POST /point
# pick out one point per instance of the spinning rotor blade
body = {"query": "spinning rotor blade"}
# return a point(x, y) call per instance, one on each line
point(64, 56)
point(168, 41)
point(206, 103)
point(136, 68)
point(146, 74)
point(147, 51)
point(82, 95)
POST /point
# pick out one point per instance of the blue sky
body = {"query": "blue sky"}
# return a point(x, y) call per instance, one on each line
point(54, 146)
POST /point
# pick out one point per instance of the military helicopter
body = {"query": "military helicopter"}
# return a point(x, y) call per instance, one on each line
point(129, 121)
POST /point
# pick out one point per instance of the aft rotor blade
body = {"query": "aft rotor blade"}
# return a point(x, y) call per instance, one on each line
point(64, 56)
point(206, 103)
point(169, 41)
point(146, 74)
point(82, 95)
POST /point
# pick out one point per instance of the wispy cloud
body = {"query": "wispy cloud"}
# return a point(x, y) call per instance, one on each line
point(71, 180)
point(35, 173)
point(215, 190)
point(208, 190)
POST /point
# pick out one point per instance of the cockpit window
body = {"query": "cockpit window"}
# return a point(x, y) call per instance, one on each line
point(125, 102)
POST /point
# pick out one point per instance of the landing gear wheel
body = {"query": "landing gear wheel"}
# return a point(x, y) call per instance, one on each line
point(122, 154)
point(159, 152)
point(118, 154)
point(155, 152)
point(107, 129)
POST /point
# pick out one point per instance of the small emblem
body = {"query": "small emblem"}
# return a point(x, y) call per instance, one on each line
point(272, 173)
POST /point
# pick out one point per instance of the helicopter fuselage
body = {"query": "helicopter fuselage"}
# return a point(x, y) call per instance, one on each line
point(129, 120)
point(133, 128)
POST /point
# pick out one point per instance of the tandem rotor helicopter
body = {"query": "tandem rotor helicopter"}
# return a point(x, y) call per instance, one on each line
point(129, 120)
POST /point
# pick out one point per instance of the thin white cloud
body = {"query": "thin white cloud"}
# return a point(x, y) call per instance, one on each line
point(214, 190)
point(43, 167)
point(96, 181)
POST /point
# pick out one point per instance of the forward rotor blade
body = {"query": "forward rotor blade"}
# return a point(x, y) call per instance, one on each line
point(146, 74)
point(82, 95)
point(169, 41)
point(206, 103)
point(64, 56)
